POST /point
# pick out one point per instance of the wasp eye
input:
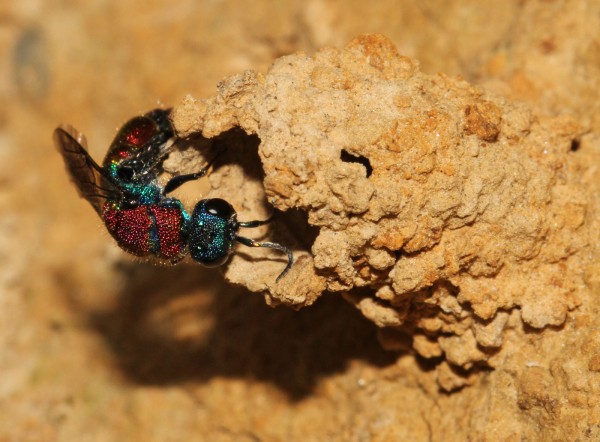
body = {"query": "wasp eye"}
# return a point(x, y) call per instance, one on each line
point(219, 208)
point(125, 173)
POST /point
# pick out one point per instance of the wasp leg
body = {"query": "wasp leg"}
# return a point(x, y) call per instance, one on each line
point(255, 223)
point(178, 180)
point(272, 245)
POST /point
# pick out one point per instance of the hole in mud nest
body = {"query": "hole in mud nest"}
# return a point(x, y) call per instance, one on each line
point(297, 222)
point(347, 157)
point(236, 146)
point(575, 144)
point(239, 151)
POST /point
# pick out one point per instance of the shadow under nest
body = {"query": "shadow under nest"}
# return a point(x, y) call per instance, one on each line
point(184, 324)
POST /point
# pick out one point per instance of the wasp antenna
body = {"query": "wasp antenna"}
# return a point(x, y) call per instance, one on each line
point(271, 245)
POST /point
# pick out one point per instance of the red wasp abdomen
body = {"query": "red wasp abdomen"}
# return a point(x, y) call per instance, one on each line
point(169, 230)
point(145, 230)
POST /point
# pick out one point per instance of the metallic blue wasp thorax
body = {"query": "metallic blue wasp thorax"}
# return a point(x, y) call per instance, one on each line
point(211, 235)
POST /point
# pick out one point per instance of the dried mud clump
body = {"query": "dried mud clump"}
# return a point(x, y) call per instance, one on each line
point(443, 213)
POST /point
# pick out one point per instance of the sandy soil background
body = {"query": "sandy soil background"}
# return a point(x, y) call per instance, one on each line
point(95, 345)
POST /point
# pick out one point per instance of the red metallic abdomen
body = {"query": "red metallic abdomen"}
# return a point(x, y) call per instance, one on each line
point(147, 230)
point(169, 230)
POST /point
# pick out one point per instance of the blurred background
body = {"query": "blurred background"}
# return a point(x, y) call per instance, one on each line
point(95, 345)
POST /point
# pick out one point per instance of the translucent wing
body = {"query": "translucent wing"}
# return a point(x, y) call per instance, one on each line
point(162, 142)
point(147, 159)
point(92, 182)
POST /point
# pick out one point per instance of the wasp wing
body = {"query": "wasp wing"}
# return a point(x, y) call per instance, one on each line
point(154, 150)
point(152, 154)
point(92, 182)
point(163, 141)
